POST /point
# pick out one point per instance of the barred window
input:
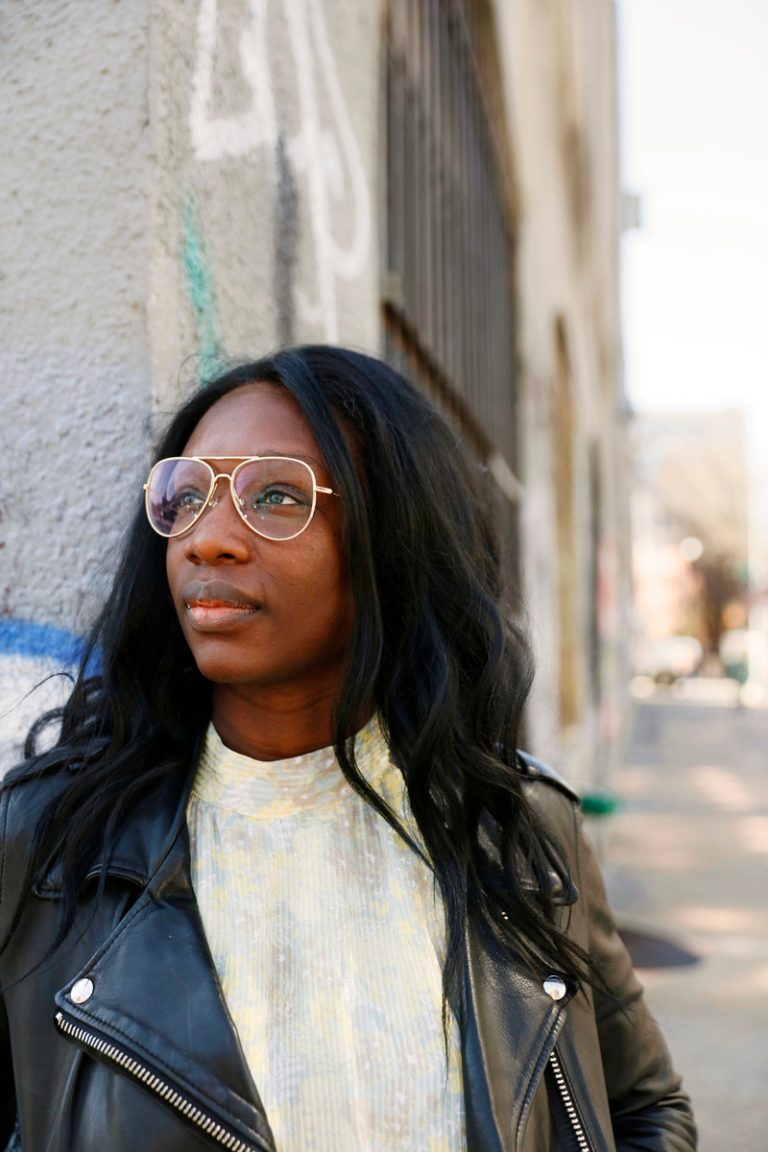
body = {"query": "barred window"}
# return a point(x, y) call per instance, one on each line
point(447, 251)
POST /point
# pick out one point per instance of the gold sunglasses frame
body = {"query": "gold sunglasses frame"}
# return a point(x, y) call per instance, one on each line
point(210, 502)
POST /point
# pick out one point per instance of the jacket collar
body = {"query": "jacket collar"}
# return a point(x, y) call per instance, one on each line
point(142, 842)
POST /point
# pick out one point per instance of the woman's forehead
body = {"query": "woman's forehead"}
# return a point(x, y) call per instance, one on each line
point(256, 419)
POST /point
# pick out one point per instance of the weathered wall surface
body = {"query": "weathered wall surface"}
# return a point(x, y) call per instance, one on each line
point(74, 368)
point(74, 358)
point(267, 135)
point(189, 182)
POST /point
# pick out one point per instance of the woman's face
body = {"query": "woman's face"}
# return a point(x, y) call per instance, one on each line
point(262, 613)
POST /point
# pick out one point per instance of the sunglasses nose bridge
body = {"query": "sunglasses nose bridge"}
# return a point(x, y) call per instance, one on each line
point(214, 496)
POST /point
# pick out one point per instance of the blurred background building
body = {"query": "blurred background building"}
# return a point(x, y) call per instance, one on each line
point(695, 297)
point(691, 539)
point(431, 180)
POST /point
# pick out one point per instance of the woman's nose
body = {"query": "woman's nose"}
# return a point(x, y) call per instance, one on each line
point(220, 533)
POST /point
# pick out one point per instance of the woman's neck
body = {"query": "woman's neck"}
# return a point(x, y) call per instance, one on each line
point(274, 725)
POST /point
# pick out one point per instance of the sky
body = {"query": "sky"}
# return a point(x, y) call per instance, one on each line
point(694, 80)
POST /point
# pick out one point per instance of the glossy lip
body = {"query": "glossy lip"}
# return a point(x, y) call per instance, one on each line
point(216, 604)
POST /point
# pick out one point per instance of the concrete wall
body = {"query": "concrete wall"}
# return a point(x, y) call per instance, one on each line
point(189, 182)
point(74, 352)
point(266, 134)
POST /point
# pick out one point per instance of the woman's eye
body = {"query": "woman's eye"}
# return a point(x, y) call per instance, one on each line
point(279, 498)
point(188, 501)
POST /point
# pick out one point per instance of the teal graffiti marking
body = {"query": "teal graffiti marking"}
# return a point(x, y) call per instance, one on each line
point(202, 297)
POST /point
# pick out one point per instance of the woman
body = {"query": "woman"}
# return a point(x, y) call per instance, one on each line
point(282, 882)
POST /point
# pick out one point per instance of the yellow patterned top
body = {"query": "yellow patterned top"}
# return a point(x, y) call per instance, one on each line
point(327, 935)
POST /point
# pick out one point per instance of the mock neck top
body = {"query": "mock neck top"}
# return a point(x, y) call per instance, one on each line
point(328, 939)
point(311, 784)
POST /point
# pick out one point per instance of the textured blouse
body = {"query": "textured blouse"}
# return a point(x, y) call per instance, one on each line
point(328, 939)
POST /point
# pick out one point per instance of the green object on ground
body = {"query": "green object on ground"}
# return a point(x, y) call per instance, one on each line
point(600, 803)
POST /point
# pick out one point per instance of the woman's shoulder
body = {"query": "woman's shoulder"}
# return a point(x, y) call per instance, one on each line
point(556, 808)
point(533, 771)
point(35, 780)
point(549, 795)
point(25, 792)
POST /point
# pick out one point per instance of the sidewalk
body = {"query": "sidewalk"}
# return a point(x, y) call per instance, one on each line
point(687, 862)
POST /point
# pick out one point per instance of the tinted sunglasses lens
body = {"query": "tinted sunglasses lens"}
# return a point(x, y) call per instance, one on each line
point(176, 493)
point(275, 496)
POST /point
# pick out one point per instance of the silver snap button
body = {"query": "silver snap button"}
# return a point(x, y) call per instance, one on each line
point(554, 986)
point(82, 990)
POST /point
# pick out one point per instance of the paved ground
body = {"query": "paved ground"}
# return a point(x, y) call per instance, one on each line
point(687, 865)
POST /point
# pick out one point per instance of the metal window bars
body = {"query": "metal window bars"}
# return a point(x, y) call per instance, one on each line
point(447, 243)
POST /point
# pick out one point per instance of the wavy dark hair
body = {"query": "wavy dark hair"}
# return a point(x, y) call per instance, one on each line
point(432, 645)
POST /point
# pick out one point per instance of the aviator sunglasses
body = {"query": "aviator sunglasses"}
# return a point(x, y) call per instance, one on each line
point(274, 495)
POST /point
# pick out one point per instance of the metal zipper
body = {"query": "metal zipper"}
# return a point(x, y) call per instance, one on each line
point(570, 1108)
point(206, 1123)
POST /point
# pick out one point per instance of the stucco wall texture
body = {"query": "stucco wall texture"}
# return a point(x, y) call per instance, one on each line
point(74, 365)
point(182, 184)
point(266, 121)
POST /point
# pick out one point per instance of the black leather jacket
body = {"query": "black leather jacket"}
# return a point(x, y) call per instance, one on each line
point(122, 1041)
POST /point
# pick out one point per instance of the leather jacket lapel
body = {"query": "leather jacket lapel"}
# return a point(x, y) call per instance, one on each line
point(510, 1025)
point(151, 993)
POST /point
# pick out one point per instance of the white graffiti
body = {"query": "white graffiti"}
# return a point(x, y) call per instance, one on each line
point(325, 155)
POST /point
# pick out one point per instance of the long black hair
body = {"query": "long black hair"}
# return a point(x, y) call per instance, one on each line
point(433, 645)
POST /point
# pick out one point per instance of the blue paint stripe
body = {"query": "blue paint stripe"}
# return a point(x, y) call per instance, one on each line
point(39, 641)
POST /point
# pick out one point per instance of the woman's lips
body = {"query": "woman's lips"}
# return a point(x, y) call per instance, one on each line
point(215, 604)
point(210, 615)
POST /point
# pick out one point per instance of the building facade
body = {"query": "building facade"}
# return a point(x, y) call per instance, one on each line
point(691, 510)
point(435, 181)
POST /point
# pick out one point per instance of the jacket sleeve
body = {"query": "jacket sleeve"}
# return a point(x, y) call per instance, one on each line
point(649, 1110)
